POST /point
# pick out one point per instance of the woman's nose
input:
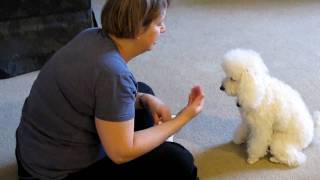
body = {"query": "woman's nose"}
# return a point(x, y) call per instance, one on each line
point(163, 28)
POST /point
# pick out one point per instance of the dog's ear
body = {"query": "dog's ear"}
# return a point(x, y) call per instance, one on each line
point(251, 89)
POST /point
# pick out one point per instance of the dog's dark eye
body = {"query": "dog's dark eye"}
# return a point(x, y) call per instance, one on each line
point(232, 79)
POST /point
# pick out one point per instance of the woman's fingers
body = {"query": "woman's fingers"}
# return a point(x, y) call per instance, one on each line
point(196, 91)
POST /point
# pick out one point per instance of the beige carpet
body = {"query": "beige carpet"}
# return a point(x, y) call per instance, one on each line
point(199, 32)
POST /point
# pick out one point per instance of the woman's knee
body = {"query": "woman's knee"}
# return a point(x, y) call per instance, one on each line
point(144, 88)
point(178, 160)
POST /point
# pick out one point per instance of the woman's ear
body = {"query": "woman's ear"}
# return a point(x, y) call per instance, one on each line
point(141, 31)
point(251, 89)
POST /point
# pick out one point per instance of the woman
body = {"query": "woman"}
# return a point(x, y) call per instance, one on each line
point(87, 118)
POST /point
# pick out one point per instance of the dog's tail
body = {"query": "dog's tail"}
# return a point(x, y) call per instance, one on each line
point(316, 118)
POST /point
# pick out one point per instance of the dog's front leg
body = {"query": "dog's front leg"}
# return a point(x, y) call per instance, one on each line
point(241, 133)
point(258, 142)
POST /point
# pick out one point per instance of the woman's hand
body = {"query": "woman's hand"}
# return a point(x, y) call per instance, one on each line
point(159, 111)
point(195, 103)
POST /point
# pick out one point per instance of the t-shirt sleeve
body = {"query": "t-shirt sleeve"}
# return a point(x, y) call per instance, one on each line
point(115, 97)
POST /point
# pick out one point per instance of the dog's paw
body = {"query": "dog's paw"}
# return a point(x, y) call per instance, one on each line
point(294, 160)
point(294, 164)
point(238, 140)
point(251, 160)
point(274, 160)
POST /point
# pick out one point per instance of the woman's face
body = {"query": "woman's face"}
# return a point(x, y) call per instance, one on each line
point(148, 38)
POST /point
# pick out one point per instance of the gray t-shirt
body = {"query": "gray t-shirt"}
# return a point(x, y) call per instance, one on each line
point(86, 78)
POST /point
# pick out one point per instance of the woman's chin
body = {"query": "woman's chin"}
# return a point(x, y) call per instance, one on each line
point(150, 48)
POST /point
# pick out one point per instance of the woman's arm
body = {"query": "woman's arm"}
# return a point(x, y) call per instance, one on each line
point(123, 144)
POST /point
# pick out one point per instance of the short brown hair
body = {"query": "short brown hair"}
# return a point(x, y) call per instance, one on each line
point(125, 18)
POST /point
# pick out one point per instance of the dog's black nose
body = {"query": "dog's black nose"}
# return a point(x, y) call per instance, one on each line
point(238, 104)
point(222, 88)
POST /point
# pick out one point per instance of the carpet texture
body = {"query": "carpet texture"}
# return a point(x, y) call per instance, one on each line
point(199, 32)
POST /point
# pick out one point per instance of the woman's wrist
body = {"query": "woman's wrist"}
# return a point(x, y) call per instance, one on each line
point(183, 117)
point(186, 114)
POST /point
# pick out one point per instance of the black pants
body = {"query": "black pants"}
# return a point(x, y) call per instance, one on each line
point(168, 161)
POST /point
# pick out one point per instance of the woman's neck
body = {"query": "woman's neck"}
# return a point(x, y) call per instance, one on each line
point(127, 48)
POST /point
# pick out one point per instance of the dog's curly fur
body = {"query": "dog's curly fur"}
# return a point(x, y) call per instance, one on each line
point(275, 119)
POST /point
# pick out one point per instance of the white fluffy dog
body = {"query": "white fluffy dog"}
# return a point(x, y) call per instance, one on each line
point(274, 117)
